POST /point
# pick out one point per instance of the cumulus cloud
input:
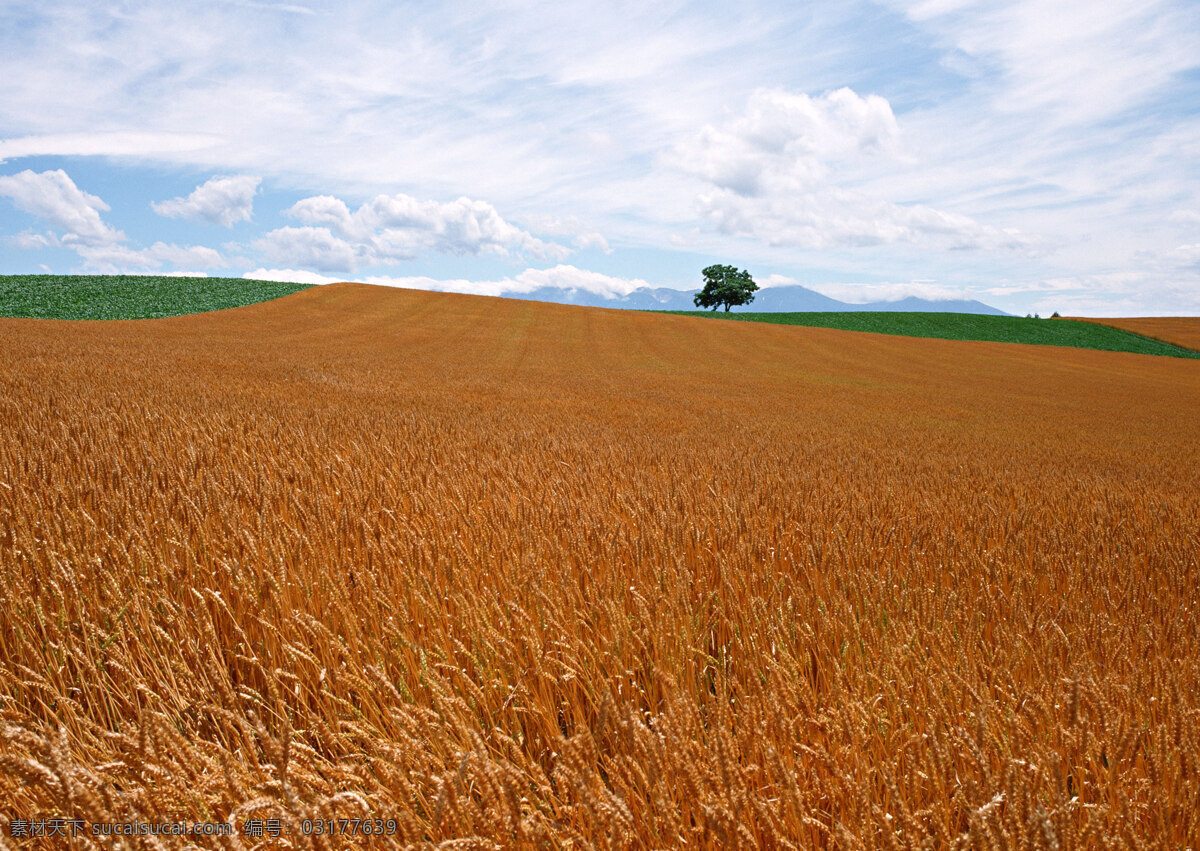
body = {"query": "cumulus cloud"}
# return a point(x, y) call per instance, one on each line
point(391, 228)
point(221, 201)
point(784, 141)
point(592, 239)
point(770, 175)
point(312, 247)
point(54, 197)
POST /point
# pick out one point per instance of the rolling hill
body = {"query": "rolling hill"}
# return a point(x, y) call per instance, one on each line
point(1176, 330)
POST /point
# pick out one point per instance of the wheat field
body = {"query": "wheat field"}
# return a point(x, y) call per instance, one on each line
point(505, 575)
point(1177, 330)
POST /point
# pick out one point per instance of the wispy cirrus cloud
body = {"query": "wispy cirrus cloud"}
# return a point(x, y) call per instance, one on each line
point(106, 143)
point(1072, 61)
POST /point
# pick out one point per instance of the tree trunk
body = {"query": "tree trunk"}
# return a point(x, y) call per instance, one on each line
point(727, 307)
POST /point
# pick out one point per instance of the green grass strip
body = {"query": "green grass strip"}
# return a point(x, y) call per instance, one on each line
point(129, 296)
point(969, 326)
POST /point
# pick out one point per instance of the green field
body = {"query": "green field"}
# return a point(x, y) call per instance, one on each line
point(129, 296)
point(969, 326)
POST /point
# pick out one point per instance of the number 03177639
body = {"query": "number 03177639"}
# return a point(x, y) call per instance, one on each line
point(348, 827)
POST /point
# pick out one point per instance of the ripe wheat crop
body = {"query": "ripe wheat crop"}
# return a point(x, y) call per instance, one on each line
point(525, 575)
point(1176, 330)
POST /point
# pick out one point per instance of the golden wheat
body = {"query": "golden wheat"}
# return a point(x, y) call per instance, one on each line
point(1178, 330)
point(523, 575)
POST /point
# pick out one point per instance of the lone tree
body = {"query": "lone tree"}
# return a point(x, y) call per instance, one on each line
point(725, 285)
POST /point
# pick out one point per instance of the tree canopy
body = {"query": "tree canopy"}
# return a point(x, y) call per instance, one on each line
point(725, 285)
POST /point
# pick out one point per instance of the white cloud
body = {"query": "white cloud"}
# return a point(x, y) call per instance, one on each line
point(775, 280)
point(289, 276)
point(1187, 255)
point(116, 258)
point(316, 248)
point(564, 276)
point(835, 218)
point(197, 256)
point(511, 102)
point(391, 228)
point(774, 174)
point(592, 239)
point(221, 200)
point(131, 143)
point(1115, 293)
point(784, 141)
point(571, 278)
point(323, 210)
point(53, 196)
point(1056, 285)
point(1185, 217)
point(582, 236)
point(288, 8)
point(29, 240)
point(1070, 60)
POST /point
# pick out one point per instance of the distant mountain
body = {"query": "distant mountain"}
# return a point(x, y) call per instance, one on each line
point(913, 304)
point(792, 299)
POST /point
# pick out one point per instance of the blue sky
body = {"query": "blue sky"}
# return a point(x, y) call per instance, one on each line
point(1035, 155)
